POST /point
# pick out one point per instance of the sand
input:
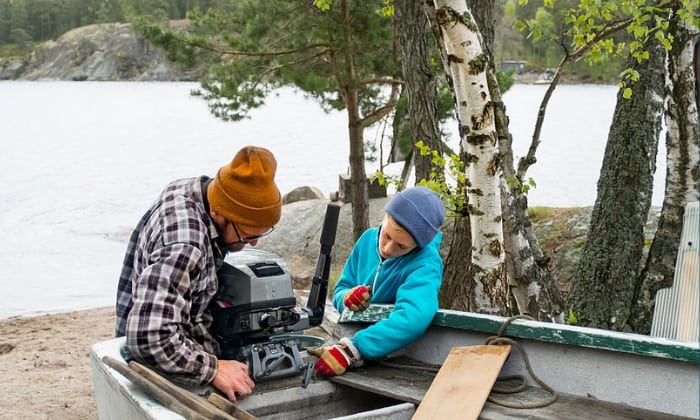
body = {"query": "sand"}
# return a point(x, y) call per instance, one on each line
point(44, 364)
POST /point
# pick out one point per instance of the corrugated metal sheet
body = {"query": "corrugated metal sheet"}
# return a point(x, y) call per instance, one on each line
point(676, 309)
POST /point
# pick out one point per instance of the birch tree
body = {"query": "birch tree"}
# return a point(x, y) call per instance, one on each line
point(527, 285)
point(467, 63)
point(533, 288)
point(524, 262)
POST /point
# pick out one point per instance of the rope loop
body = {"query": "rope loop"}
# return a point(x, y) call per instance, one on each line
point(503, 389)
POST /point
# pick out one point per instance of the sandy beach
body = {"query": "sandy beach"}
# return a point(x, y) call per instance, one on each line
point(44, 364)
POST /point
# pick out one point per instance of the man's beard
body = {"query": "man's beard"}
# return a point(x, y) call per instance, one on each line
point(230, 247)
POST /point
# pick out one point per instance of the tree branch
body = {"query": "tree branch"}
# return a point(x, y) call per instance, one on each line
point(379, 113)
point(297, 61)
point(381, 81)
point(221, 51)
point(529, 159)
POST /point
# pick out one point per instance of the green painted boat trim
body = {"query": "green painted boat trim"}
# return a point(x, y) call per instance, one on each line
point(541, 331)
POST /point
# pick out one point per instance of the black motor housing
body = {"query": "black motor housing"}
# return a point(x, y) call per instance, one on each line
point(255, 299)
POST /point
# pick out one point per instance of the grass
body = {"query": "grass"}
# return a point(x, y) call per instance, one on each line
point(552, 226)
point(537, 214)
point(12, 50)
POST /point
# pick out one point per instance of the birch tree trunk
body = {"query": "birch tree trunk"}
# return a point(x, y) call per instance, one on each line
point(682, 162)
point(603, 285)
point(475, 112)
point(533, 289)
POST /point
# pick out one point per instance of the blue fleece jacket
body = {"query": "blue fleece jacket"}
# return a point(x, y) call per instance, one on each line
point(411, 282)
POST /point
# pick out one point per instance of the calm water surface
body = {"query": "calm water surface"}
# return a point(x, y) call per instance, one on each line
point(80, 162)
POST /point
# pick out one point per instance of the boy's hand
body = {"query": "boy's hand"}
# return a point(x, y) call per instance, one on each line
point(357, 298)
point(335, 360)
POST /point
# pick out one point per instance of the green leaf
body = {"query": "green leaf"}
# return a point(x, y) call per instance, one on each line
point(323, 5)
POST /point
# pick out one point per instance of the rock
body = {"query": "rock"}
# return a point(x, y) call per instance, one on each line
point(301, 194)
point(562, 234)
point(11, 67)
point(109, 51)
point(297, 235)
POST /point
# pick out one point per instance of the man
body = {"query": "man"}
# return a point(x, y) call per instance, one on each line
point(168, 276)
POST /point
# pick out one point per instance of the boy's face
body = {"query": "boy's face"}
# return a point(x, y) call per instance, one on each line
point(394, 240)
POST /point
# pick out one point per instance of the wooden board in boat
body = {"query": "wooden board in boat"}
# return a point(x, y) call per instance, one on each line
point(463, 383)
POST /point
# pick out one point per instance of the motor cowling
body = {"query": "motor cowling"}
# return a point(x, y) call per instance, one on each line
point(254, 300)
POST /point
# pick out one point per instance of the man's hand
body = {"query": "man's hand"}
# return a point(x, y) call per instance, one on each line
point(335, 360)
point(232, 378)
point(357, 299)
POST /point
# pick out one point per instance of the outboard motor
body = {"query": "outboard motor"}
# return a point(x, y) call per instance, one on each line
point(255, 308)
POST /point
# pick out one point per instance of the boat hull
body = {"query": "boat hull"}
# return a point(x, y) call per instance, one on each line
point(601, 373)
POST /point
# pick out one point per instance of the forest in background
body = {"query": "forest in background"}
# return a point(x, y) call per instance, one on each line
point(26, 23)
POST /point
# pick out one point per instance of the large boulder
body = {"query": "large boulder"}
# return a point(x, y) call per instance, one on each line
point(301, 194)
point(109, 51)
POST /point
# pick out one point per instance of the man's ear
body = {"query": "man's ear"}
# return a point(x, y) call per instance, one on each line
point(216, 217)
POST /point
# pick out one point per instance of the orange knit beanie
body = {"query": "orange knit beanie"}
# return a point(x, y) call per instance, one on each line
point(244, 191)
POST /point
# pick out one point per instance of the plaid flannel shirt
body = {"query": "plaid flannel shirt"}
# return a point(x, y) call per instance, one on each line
point(168, 279)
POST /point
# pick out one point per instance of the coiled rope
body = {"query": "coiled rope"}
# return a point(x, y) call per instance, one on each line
point(500, 389)
point(503, 389)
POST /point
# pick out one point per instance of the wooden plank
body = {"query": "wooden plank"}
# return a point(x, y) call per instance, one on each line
point(228, 406)
point(158, 394)
point(195, 402)
point(463, 383)
point(401, 384)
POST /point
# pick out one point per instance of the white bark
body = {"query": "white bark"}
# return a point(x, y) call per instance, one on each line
point(682, 135)
point(468, 64)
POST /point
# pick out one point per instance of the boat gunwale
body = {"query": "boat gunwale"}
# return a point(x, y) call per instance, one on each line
point(638, 344)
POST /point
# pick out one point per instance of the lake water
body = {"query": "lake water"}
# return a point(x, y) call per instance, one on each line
point(80, 162)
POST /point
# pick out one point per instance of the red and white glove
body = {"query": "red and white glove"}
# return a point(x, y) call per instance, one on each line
point(357, 298)
point(336, 359)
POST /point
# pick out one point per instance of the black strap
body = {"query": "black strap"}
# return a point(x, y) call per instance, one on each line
point(205, 183)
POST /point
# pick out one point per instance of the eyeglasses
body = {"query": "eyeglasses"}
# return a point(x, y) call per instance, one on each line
point(249, 239)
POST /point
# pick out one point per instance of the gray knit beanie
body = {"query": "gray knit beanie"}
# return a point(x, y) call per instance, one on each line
point(420, 211)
